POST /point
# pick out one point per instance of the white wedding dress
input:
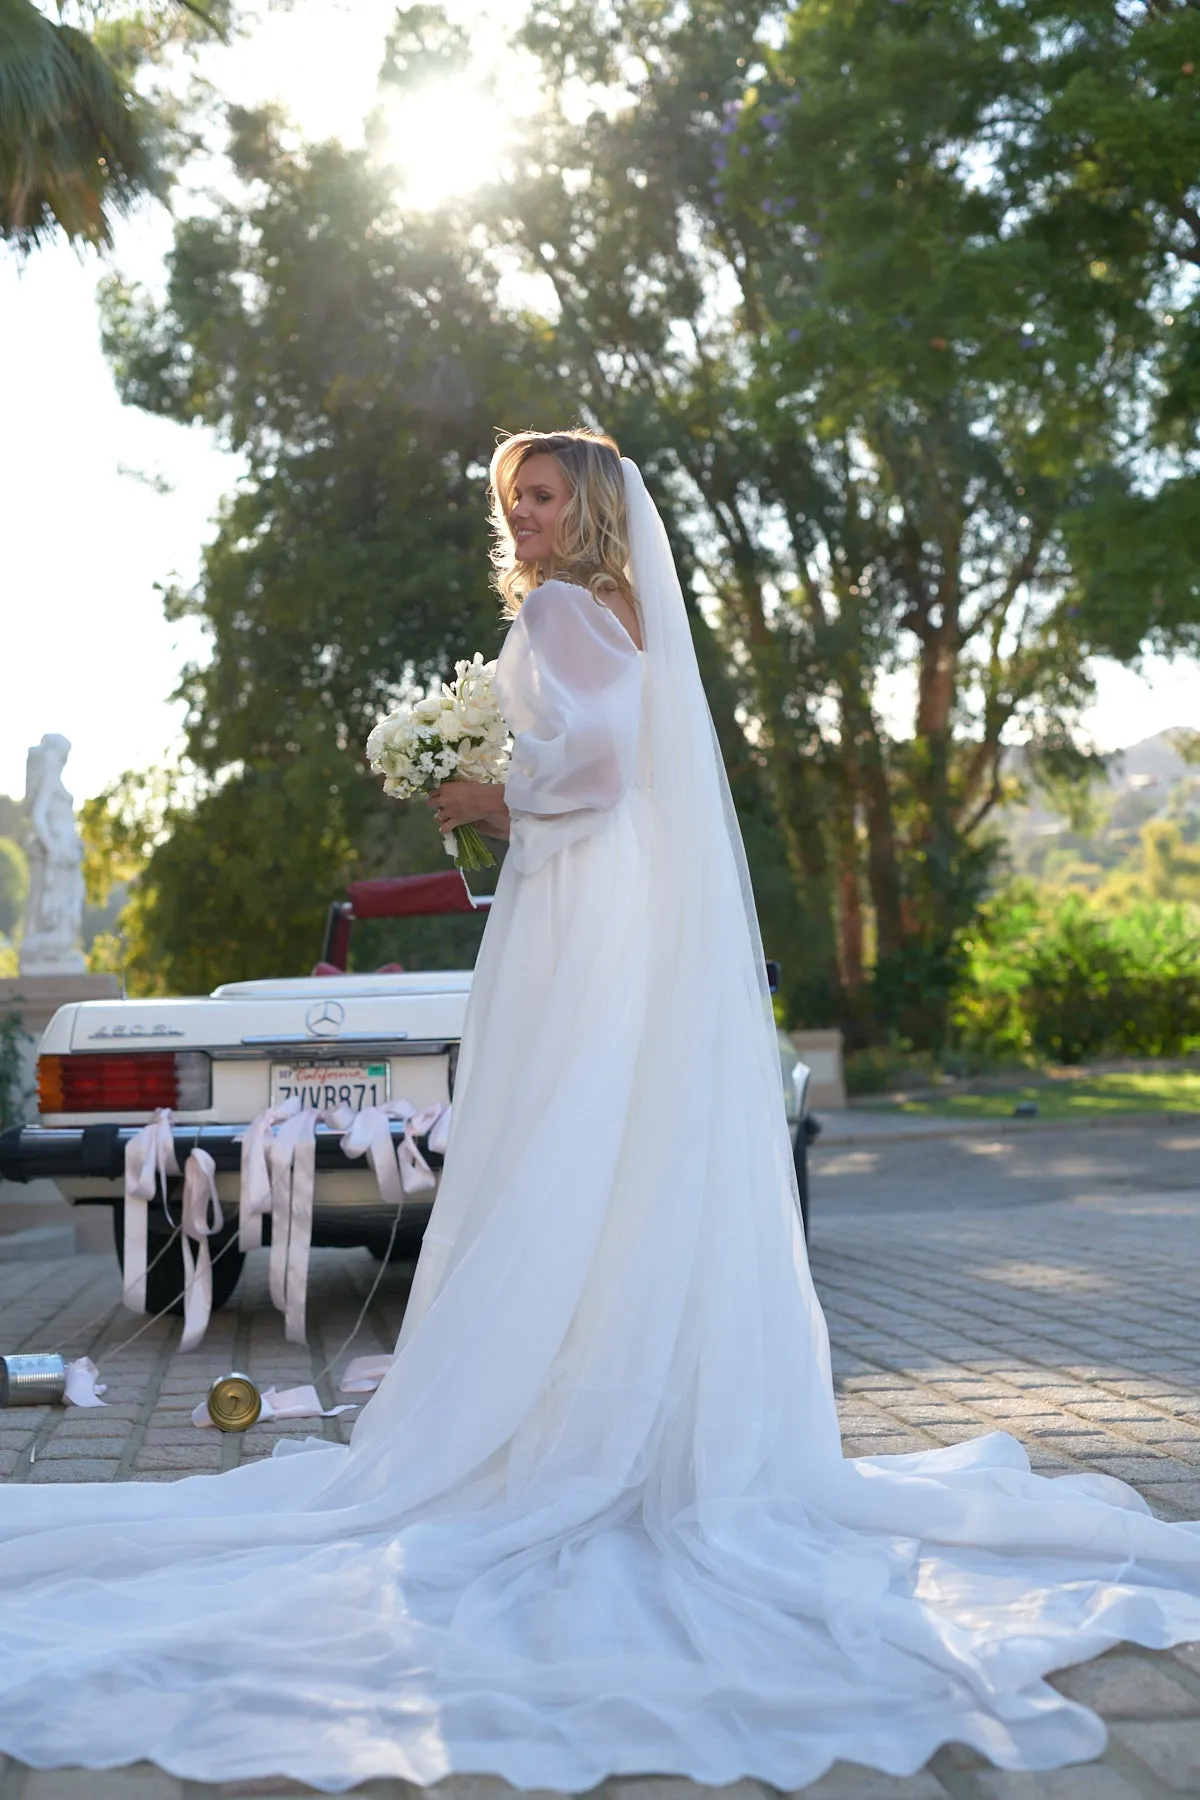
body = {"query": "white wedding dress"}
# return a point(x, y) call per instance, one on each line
point(596, 1519)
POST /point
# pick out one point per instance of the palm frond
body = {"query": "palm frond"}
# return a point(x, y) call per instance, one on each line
point(74, 144)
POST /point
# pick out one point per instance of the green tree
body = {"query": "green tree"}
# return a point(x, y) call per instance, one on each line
point(896, 372)
point(928, 422)
point(359, 362)
point(1110, 144)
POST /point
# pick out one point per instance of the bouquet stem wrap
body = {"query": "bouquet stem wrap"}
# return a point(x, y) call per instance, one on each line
point(467, 848)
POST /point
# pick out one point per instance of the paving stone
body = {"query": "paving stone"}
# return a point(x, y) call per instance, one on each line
point(1082, 1443)
point(1055, 1394)
point(1182, 1496)
point(490, 1787)
point(653, 1787)
point(1170, 1435)
point(1170, 1749)
point(102, 1419)
point(849, 1781)
point(173, 1437)
point(1137, 1469)
point(204, 1454)
point(88, 1468)
point(262, 1787)
point(1122, 1686)
point(80, 1445)
point(1115, 1411)
point(1144, 1385)
point(1091, 1781)
point(1049, 1462)
point(933, 1415)
point(1187, 1657)
point(141, 1781)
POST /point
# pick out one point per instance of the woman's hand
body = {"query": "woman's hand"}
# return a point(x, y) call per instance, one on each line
point(481, 803)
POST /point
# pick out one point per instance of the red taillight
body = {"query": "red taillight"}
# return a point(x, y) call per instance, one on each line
point(129, 1081)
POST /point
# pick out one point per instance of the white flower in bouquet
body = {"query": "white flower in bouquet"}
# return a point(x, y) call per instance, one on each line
point(455, 732)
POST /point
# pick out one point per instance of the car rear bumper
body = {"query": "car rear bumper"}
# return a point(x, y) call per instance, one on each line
point(83, 1153)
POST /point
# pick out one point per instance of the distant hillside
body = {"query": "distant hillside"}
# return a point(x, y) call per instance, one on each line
point(1152, 763)
point(1147, 781)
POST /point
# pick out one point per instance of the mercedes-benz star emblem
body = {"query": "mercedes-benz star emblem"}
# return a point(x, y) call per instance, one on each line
point(326, 1018)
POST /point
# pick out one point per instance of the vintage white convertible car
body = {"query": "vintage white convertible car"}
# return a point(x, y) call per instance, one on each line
point(250, 1051)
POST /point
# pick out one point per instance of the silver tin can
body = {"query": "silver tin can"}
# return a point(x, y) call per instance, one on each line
point(32, 1380)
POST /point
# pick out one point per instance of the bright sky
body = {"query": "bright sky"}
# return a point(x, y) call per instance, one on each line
point(85, 648)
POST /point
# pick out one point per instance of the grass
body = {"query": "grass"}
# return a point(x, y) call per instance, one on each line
point(1064, 1095)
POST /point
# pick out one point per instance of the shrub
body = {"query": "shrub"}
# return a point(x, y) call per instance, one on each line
point(15, 1096)
point(1063, 979)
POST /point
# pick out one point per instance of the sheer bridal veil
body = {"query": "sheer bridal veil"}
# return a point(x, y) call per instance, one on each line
point(709, 1011)
point(701, 860)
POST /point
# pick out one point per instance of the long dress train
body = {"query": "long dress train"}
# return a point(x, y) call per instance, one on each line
point(596, 1519)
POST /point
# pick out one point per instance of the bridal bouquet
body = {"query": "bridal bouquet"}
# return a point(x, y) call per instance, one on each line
point(455, 732)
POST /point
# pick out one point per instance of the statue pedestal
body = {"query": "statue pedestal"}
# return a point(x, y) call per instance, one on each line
point(36, 998)
point(26, 1206)
point(822, 1051)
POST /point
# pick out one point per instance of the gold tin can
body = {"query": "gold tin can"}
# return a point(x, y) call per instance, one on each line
point(234, 1403)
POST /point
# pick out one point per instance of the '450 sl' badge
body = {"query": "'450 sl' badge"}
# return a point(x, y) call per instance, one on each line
point(135, 1031)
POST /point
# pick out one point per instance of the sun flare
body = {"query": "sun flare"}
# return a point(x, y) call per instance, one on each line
point(443, 140)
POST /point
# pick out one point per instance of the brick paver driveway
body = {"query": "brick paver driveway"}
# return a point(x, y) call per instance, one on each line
point(1040, 1281)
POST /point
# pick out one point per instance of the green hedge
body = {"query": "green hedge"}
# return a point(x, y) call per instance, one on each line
point(1059, 979)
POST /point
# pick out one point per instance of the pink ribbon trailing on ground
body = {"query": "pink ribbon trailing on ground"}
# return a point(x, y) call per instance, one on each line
point(84, 1387)
point(149, 1160)
point(201, 1216)
point(363, 1374)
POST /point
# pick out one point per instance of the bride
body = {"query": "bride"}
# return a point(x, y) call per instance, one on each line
point(596, 1520)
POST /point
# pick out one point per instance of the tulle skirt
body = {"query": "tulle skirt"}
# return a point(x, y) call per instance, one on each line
point(596, 1519)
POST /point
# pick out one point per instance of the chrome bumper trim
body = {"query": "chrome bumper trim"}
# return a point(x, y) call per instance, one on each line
point(36, 1152)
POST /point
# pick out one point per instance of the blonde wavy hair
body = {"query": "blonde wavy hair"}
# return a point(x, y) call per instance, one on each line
point(591, 534)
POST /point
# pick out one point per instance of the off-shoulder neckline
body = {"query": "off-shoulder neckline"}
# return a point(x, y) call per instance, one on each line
point(558, 581)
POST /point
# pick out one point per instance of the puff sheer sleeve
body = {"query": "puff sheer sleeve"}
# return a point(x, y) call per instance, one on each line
point(569, 683)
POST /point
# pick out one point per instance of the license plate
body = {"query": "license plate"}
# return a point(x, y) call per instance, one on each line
point(355, 1085)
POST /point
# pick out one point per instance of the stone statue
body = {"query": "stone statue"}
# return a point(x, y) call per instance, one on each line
point(54, 917)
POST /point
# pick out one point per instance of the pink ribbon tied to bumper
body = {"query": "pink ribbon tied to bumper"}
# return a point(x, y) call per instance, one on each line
point(201, 1216)
point(149, 1160)
point(278, 1176)
point(255, 1197)
point(279, 1156)
point(403, 1174)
